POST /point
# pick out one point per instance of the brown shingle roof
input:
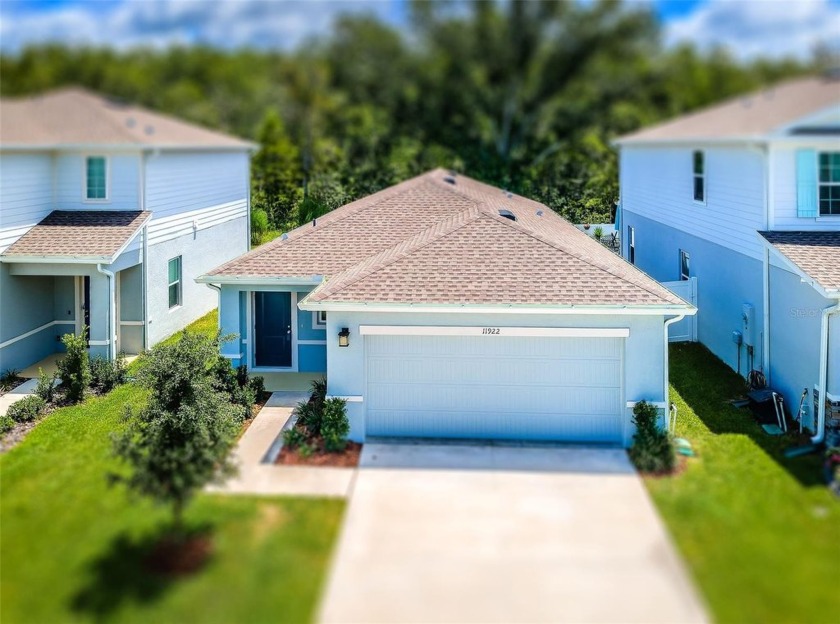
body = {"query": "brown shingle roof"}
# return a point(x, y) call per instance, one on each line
point(751, 116)
point(94, 234)
point(75, 117)
point(817, 254)
point(429, 241)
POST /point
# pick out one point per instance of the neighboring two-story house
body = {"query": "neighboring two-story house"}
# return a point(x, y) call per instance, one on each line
point(745, 196)
point(107, 214)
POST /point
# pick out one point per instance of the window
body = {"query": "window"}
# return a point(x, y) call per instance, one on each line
point(319, 320)
point(829, 183)
point(699, 177)
point(631, 244)
point(96, 178)
point(175, 282)
point(685, 265)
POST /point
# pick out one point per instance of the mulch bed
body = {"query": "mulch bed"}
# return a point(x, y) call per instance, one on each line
point(177, 556)
point(349, 458)
point(11, 385)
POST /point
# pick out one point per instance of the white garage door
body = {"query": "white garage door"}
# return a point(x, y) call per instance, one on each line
point(532, 388)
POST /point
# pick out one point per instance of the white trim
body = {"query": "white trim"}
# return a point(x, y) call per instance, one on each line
point(133, 323)
point(96, 200)
point(350, 398)
point(64, 322)
point(99, 343)
point(253, 324)
point(492, 332)
point(496, 309)
point(312, 342)
point(233, 356)
point(260, 281)
point(316, 322)
point(32, 332)
point(119, 149)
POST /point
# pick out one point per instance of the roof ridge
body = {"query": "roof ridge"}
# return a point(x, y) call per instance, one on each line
point(404, 248)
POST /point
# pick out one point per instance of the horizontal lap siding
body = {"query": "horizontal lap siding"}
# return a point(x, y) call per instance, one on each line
point(26, 195)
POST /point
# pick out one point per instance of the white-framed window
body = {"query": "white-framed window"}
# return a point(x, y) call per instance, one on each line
point(829, 183)
point(175, 282)
point(96, 178)
point(631, 244)
point(699, 170)
point(319, 320)
point(685, 265)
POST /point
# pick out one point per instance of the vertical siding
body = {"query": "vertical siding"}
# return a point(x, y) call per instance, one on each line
point(656, 183)
point(123, 182)
point(783, 159)
point(26, 194)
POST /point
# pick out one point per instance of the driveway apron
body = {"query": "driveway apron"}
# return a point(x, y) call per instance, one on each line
point(483, 533)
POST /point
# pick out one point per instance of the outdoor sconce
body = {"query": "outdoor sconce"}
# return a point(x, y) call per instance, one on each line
point(344, 337)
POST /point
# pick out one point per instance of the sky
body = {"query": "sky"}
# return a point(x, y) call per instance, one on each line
point(749, 28)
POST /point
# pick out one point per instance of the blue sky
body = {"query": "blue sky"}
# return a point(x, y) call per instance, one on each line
point(747, 27)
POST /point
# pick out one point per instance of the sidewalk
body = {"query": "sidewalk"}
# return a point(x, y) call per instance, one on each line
point(15, 395)
point(258, 449)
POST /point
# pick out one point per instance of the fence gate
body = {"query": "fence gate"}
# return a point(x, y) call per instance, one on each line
point(686, 329)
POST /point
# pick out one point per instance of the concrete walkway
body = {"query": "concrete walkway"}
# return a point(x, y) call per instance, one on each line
point(258, 449)
point(462, 533)
point(15, 395)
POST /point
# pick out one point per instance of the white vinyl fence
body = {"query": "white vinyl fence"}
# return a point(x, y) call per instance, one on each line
point(686, 329)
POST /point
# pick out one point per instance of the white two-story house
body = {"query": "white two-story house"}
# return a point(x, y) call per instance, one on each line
point(745, 197)
point(107, 214)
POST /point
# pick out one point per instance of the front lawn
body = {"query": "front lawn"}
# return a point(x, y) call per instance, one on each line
point(760, 533)
point(73, 549)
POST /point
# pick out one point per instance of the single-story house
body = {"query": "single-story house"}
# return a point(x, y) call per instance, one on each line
point(444, 307)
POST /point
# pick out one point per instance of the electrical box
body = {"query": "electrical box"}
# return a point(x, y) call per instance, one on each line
point(748, 324)
point(737, 338)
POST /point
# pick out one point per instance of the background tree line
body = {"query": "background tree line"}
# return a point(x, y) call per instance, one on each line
point(523, 95)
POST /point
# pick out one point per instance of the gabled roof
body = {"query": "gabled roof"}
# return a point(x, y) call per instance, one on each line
point(74, 117)
point(747, 117)
point(90, 236)
point(815, 254)
point(440, 239)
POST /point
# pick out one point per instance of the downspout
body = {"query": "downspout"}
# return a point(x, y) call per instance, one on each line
point(112, 338)
point(765, 338)
point(819, 435)
point(665, 388)
point(145, 267)
point(218, 289)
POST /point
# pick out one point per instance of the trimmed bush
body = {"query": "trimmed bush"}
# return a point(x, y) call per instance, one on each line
point(335, 425)
point(257, 384)
point(74, 367)
point(309, 417)
point(46, 386)
point(7, 423)
point(27, 409)
point(234, 382)
point(652, 450)
point(106, 374)
point(293, 438)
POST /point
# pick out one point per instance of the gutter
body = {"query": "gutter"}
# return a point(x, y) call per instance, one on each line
point(823, 381)
point(665, 363)
point(112, 312)
point(218, 289)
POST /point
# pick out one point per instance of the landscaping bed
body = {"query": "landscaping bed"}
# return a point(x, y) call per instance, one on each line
point(348, 458)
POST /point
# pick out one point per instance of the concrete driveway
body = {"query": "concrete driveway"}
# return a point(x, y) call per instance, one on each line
point(463, 533)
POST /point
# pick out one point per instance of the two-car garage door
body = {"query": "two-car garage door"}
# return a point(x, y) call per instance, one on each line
point(495, 387)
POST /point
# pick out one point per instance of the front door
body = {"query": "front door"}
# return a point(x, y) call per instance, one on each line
point(273, 329)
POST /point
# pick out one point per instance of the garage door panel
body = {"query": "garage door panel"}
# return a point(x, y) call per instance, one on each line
point(495, 387)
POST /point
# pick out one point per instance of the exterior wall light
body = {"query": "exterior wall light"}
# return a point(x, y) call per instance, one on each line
point(344, 337)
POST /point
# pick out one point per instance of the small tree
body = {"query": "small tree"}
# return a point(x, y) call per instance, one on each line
point(74, 367)
point(653, 449)
point(180, 441)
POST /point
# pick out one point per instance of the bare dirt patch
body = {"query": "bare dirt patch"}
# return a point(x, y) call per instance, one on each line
point(179, 556)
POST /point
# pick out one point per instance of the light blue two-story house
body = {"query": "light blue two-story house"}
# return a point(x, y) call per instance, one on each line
point(745, 197)
point(107, 214)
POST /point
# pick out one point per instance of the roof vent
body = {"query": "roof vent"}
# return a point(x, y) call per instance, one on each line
point(508, 194)
point(314, 222)
point(507, 214)
point(131, 122)
point(449, 180)
point(150, 130)
point(284, 237)
point(539, 213)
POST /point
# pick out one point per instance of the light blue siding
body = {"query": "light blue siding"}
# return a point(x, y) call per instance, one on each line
point(123, 187)
point(806, 183)
point(26, 196)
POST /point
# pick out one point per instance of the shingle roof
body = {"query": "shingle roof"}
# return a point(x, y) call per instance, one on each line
point(429, 241)
point(752, 116)
point(94, 234)
point(817, 254)
point(75, 117)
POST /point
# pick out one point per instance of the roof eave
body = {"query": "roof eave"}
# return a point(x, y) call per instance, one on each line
point(244, 280)
point(125, 147)
point(29, 259)
point(805, 278)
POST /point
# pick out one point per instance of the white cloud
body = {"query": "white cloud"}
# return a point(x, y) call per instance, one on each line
point(752, 28)
point(225, 23)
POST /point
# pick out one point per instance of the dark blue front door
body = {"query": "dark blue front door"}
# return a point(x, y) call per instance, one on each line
point(273, 329)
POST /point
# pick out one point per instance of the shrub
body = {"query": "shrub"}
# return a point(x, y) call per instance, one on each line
point(46, 386)
point(259, 225)
point(653, 449)
point(334, 425)
point(8, 378)
point(309, 417)
point(106, 374)
point(27, 409)
point(235, 383)
point(7, 423)
point(257, 384)
point(74, 367)
point(293, 438)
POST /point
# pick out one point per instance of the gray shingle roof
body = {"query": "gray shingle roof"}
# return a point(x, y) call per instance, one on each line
point(817, 254)
point(429, 241)
point(95, 234)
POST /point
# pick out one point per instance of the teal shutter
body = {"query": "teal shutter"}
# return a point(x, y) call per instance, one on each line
point(806, 183)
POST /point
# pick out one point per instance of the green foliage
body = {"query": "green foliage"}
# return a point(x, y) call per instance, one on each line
point(46, 385)
point(598, 233)
point(26, 409)
point(276, 177)
point(653, 450)
point(7, 423)
point(108, 374)
point(257, 384)
point(309, 417)
point(259, 226)
point(8, 378)
point(335, 425)
point(235, 384)
point(74, 367)
point(293, 438)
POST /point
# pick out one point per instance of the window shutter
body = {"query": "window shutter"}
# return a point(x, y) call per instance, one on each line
point(806, 183)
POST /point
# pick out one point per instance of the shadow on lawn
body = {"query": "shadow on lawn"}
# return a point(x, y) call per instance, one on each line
point(706, 384)
point(126, 573)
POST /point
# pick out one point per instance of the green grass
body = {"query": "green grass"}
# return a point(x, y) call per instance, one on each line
point(760, 533)
point(73, 548)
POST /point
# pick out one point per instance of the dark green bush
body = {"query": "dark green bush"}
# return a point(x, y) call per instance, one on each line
point(257, 384)
point(74, 367)
point(293, 438)
point(309, 417)
point(652, 450)
point(234, 382)
point(46, 385)
point(7, 423)
point(105, 375)
point(335, 425)
point(27, 409)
